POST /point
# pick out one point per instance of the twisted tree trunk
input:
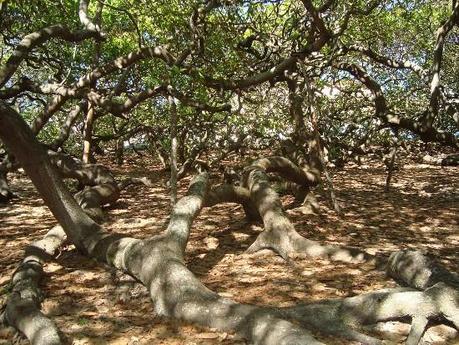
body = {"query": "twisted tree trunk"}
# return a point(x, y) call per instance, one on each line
point(22, 309)
point(87, 156)
point(173, 153)
point(100, 187)
point(234, 194)
point(279, 233)
point(67, 126)
point(157, 262)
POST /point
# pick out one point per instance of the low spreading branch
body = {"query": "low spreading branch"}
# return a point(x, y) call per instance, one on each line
point(31, 41)
point(279, 233)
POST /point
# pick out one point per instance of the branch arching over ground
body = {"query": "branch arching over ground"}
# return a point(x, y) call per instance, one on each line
point(279, 233)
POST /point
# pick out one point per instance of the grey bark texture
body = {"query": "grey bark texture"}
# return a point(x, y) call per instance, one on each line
point(22, 309)
point(100, 187)
point(279, 233)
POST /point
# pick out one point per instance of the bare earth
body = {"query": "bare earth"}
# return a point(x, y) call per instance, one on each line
point(94, 305)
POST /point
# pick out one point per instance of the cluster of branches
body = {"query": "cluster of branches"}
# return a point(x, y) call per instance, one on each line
point(103, 86)
point(310, 55)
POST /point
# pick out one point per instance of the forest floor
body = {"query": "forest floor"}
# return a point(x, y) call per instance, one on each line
point(92, 304)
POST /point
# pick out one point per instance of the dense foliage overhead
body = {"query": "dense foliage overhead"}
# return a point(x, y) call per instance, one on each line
point(368, 66)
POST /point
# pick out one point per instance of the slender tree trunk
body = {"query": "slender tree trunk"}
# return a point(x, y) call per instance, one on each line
point(174, 144)
point(296, 99)
point(67, 126)
point(181, 149)
point(390, 168)
point(333, 198)
point(91, 114)
point(296, 96)
point(318, 150)
point(391, 163)
point(119, 151)
point(87, 134)
point(435, 84)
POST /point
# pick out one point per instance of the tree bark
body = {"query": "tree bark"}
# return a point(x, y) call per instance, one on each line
point(22, 310)
point(23, 305)
point(100, 187)
point(119, 151)
point(279, 233)
point(435, 84)
point(390, 168)
point(235, 194)
point(66, 128)
point(413, 268)
point(173, 159)
point(157, 262)
point(317, 149)
point(87, 134)
point(296, 98)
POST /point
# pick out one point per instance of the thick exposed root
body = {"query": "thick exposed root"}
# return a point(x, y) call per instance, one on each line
point(440, 287)
point(134, 181)
point(438, 300)
point(285, 168)
point(413, 268)
point(22, 310)
point(100, 187)
point(176, 292)
point(283, 187)
point(233, 194)
point(5, 192)
point(342, 315)
point(190, 300)
point(450, 160)
point(279, 233)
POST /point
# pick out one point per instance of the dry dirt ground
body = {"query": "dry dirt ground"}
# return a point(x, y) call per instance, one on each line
point(94, 305)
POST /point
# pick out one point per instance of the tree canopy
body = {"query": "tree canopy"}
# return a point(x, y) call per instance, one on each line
point(376, 65)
